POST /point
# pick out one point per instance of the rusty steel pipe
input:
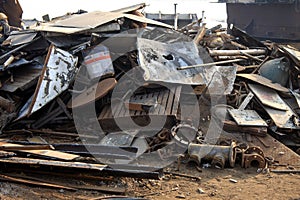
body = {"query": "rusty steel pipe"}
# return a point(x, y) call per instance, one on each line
point(217, 154)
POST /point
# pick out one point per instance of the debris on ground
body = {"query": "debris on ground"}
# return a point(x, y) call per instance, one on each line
point(124, 96)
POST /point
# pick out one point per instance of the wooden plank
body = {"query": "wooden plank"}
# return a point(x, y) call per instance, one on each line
point(159, 99)
point(117, 107)
point(170, 101)
point(53, 163)
point(176, 100)
point(46, 153)
point(4, 154)
point(162, 105)
point(105, 112)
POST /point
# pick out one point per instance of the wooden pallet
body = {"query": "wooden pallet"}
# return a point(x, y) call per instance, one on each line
point(166, 110)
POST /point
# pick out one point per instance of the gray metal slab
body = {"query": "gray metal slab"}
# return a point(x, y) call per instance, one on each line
point(282, 118)
point(247, 117)
point(268, 97)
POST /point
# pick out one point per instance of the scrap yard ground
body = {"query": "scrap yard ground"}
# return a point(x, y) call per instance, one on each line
point(215, 184)
point(113, 105)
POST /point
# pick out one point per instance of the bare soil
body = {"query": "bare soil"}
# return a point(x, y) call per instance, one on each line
point(236, 183)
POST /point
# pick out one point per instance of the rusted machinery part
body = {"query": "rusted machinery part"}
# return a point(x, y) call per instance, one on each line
point(254, 149)
point(253, 160)
point(253, 157)
point(217, 154)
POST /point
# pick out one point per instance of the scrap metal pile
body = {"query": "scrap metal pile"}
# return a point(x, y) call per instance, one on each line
point(116, 94)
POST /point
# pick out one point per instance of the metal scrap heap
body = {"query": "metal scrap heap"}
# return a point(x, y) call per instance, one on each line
point(117, 94)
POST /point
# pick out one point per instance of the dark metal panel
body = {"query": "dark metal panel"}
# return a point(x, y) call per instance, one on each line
point(24, 77)
point(269, 20)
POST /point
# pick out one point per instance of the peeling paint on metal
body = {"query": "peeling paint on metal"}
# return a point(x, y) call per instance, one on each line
point(59, 70)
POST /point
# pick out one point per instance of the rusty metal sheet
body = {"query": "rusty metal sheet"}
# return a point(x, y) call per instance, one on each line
point(93, 93)
point(58, 71)
point(268, 97)
point(86, 21)
point(264, 81)
point(246, 117)
point(282, 118)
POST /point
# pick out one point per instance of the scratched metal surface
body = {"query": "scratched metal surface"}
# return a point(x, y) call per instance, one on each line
point(160, 62)
point(59, 70)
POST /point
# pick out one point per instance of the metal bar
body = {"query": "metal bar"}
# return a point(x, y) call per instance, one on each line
point(38, 183)
point(246, 101)
point(64, 107)
point(237, 52)
point(210, 64)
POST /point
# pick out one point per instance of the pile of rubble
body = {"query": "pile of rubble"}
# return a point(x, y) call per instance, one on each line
point(116, 94)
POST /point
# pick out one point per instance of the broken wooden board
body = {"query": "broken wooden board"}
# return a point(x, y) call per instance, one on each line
point(264, 81)
point(281, 154)
point(167, 110)
point(58, 72)
point(268, 97)
point(282, 118)
point(93, 93)
point(53, 163)
point(45, 153)
point(246, 117)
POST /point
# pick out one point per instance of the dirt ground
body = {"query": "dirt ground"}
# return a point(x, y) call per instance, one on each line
point(236, 183)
